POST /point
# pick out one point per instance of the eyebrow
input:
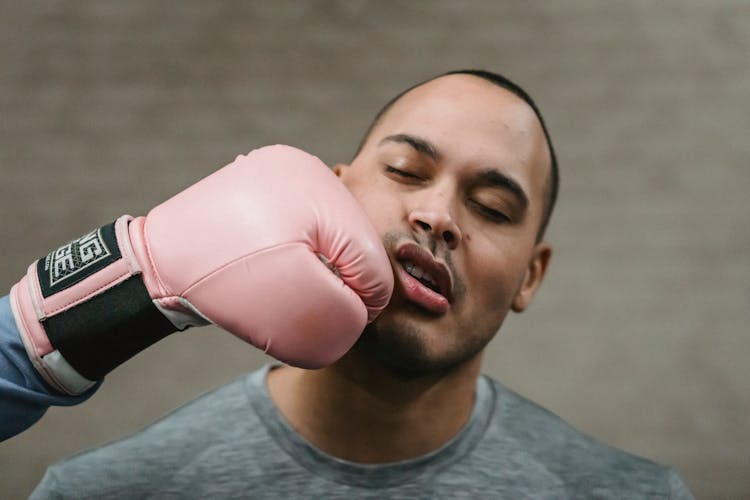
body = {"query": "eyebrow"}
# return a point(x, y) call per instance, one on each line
point(489, 176)
point(495, 178)
point(421, 145)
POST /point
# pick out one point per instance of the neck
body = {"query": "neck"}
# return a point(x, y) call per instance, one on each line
point(359, 411)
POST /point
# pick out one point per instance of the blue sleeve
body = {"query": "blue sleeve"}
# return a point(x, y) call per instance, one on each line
point(24, 396)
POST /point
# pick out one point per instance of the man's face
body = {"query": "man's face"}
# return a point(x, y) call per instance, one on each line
point(453, 177)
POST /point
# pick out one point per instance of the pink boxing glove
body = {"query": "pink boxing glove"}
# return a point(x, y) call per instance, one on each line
point(272, 248)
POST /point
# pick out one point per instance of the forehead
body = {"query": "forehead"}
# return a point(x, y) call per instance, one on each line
point(472, 122)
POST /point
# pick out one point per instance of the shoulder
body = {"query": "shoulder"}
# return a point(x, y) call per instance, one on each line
point(155, 454)
point(579, 462)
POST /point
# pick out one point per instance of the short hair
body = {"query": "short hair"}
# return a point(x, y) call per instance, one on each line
point(553, 184)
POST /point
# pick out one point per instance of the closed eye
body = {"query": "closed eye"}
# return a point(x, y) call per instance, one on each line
point(490, 213)
point(401, 173)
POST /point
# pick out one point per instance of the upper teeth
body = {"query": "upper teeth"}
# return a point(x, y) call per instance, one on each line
point(419, 273)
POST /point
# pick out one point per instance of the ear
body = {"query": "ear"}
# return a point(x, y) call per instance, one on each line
point(533, 278)
point(339, 168)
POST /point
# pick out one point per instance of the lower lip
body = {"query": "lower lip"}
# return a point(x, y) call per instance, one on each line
point(421, 295)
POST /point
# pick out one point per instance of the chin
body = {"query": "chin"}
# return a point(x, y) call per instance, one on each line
point(407, 352)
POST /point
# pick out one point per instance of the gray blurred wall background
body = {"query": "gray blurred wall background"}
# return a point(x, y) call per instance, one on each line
point(639, 336)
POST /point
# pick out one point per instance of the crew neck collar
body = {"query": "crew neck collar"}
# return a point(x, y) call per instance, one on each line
point(369, 475)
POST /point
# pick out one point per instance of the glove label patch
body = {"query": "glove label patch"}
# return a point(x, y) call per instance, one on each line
point(77, 260)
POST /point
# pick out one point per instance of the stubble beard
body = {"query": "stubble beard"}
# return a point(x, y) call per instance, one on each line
point(401, 346)
point(402, 350)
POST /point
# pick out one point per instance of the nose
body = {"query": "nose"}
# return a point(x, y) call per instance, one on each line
point(432, 214)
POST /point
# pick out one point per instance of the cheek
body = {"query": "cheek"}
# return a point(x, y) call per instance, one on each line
point(380, 207)
point(378, 212)
point(492, 280)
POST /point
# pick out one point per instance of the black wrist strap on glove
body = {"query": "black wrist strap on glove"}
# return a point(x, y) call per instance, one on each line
point(101, 333)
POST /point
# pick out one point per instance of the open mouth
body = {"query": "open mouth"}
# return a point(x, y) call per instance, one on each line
point(424, 280)
point(422, 276)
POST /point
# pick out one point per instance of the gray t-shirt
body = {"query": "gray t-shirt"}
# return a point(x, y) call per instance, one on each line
point(234, 443)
